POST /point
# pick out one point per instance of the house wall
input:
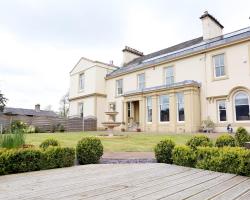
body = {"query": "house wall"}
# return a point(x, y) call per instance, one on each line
point(94, 94)
point(198, 68)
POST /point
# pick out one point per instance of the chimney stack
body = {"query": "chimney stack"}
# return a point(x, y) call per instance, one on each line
point(37, 107)
point(211, 26)
point(130, 54)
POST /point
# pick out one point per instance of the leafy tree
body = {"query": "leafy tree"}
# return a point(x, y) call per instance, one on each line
point(64, 105)
point(3, 102)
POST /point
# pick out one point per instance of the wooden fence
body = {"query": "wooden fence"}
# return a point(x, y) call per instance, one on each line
point(47, 124)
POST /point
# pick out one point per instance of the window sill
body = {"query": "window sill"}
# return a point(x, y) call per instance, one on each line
point(220, 78)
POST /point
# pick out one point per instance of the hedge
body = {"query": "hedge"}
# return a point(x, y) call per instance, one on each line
point(224, 159)
point(31, 159)
point(199, 140)
point(184, 156)
point(225, 140)
point(163, 151)
point(228, 159)
point(89, 150)
point(241, 136)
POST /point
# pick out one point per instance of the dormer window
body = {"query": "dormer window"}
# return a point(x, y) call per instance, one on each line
point(81, 82)
point(219, 65)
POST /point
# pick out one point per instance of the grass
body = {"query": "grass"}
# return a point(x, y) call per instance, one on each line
point(129, 142)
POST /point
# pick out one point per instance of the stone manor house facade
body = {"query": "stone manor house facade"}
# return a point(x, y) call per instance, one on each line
point(171, 90)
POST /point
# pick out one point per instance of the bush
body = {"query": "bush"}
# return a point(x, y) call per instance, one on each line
point(184, 155)
point(30, 129)
point(163, 151)
point(199, 140)
point(204, 156)
point(25, 160)
point(49, 142)
point(227, 159)
point(57, 157)
point(9, 141)
point(225, 140)
point(18, 126)
point(21, 160)
point(241, 136)
point(89, 150)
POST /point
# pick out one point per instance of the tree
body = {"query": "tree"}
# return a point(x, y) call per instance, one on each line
point(3, 102)
point(64, 105)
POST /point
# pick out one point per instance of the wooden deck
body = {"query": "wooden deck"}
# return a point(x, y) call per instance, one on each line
point(124, 181)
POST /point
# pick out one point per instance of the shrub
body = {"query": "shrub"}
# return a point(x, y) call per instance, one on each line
point(199, 140)
point(31, 159)
point(14, 140)
point(244, 168)
point(57, 157)
point(49, 142)
point(241, 136)
point(30, 129)
point(184, 155)
point(18, 126)
point(89, 150)
point(225, 140)
point(163, 151)
point(21, 160)
point(204, 156)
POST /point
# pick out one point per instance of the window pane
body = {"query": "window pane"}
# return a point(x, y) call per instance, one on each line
point(164, 108)
point(141, 81)
point(219, 65)
point(242, 112)
point(169, 75)
point(223, 115)
point(217, 71)
point(222, 71)
point(119, 87)
point(81, 82)
point(242, 107)
point(180, 107)
point(149, 109)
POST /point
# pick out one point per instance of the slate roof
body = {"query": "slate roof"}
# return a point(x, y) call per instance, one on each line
point(182, 49)
point(28, 112)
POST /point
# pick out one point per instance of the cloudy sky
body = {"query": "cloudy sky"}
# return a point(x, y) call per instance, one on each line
point(41, 40)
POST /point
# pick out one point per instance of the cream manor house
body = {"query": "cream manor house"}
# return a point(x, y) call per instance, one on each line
point(171, 90)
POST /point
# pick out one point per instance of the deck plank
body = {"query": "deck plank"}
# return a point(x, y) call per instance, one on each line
point(124, 181)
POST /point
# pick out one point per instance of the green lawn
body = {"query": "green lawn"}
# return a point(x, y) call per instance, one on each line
point(127, 142)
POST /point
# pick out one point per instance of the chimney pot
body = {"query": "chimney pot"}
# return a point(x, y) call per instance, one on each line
point(37, 107)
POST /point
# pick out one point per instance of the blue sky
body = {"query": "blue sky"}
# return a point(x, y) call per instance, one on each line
point(41, 40)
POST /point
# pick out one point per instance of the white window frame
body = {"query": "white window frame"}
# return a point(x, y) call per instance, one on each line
point(140, 82)
point(148, 109)
point(159, 112)
point(172, 77)
point(220, 66)
point(81, 107)
point(117, 88)
point(177, 106)
point(234, 105)
point(81, 82)
point(218, 110)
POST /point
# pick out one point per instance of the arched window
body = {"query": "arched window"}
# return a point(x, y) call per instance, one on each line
point(241, 101)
